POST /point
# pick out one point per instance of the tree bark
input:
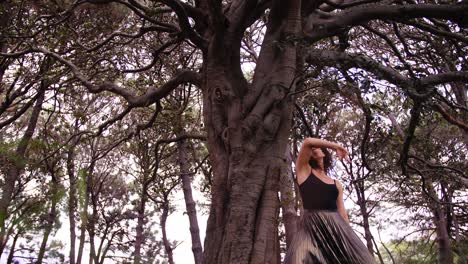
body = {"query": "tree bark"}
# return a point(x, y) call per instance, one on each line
point(16, 167)
point(12, 248)
point(72, 206)
point(5, 14)
point(140, 223)
point(50, 218)
point(167, 244)
point(288, 199)
point(445, 255)
point(189, 202)
point(248, 128)
point(84, 212)
point(91, 226)
point(362, 203)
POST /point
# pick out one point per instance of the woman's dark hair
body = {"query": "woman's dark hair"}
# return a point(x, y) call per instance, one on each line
point(327, 161)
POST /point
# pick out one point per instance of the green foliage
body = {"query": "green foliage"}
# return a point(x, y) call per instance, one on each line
point(8, 155)
point(411, 252)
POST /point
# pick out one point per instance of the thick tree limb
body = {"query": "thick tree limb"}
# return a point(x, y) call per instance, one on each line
point(446, 77)
point(184, 23)
point(333, 58)
point(243, 13)
point(414, 121)
point(318, 27)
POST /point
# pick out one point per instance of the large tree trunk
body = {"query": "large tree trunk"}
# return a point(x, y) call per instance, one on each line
point(16, 167)
point(248, 128)
point(189, 202)
point(288, 199)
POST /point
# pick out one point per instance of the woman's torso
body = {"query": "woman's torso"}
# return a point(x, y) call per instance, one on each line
point(318, 195)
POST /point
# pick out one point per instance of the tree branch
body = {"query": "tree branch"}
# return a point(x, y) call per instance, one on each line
point(332, 58)
point(318, 28)
point(441, 109)
point(152, 94)
point(184, 23)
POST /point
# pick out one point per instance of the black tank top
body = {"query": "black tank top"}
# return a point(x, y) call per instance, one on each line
point(317, 195)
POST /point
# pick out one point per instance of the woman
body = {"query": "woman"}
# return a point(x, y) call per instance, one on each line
point(325, 235)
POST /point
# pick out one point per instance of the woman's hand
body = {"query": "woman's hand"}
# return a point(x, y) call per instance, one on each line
point(342, 153)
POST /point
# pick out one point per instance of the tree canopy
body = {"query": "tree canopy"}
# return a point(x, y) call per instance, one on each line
point(109, 107)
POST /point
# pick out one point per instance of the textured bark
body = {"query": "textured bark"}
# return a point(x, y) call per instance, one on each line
point(16, 168)
point(288, 199)
point(247, 128)
point(189, 202)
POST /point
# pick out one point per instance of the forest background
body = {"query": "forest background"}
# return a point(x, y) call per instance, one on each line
point(115, 112)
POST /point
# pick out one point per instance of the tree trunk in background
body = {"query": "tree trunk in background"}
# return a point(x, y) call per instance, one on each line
point(140, 223)
point(288, 199)
point(100, 255)
point(3, 44)
point(362, 203)
point(12, 248)
point(444, 254)
point(458, 247)
point(16, 167)
point(248, 128)
point(93, 257)
point(84, 221)
point(84, 211)
point(189, 202)
point(50, 218)
point(72, 200)
point(167, 245)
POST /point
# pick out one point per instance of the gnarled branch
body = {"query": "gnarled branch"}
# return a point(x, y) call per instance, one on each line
point(320, 27)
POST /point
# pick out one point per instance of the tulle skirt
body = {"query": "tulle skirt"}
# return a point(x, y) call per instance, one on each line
point(325, 238)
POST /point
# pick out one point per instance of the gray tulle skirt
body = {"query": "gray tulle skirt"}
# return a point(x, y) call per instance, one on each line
point(325, 238)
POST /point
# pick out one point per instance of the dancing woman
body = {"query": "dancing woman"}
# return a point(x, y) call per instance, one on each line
point(325, 235)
